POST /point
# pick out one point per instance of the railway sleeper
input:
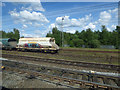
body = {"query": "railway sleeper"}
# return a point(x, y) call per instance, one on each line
point(95, 79)
point(63, 71)
point(85, 77)
point(71, 83)
point(106, 81)
point(100, 80)
point(68, 81)
point(112, 82)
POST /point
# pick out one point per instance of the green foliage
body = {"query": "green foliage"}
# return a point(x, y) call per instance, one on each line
point(16, 34)
point(94, 43)
point(104, 36)
point(78, 42)
point(87, 37)
point(13, 35)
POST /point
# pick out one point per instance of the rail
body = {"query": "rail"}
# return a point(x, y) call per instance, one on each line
point(82, 79)
point(65, 62)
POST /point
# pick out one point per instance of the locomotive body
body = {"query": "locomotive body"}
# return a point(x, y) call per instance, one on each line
point(7, 43)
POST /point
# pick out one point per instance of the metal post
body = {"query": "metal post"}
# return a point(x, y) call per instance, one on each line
point(62, 33)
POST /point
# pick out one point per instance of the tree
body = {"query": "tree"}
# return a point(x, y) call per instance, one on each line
point(49, 34)
point(16, 34)
point(89, 38)
point(94, 43)
point(10, 35)
point(78, 42)
point(115, 37)
point(13, 35)
point(3, 34)
point(57, 35)
point(104, 36)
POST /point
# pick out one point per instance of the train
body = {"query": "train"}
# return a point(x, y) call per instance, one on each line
point(8, 43)
point(46, 44)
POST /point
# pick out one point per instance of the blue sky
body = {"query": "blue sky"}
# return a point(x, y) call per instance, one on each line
point(37, 19)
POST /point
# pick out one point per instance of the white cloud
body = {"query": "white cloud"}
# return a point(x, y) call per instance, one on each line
point(22, 30)
point(51, 26)
point(59, 20)
point(24, 26)
point(90, 25)
point(105, 18)
point(34, 6)
point(109, 29)
point(114, 10)
point(40, 33)
point(28, 17)
point(70, 25)
point(75, 23)
point(70, 31)
point(26, 35)
point(67, 22)
point(113, 27)
point(37, 24)
point(30, 14)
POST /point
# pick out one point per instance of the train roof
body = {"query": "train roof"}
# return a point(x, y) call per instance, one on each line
point(42, 38)
point(4, 38)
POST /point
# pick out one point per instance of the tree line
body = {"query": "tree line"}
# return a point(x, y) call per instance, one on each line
point(15, 34)
point(87, 38)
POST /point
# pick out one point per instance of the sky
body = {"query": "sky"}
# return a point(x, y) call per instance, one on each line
point(36, 19)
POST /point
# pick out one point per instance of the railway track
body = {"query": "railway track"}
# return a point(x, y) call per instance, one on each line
point(65, 62)
point(74, 79)
point(91, 51)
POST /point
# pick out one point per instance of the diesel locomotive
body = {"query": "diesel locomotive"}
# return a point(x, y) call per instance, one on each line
point(8, 44)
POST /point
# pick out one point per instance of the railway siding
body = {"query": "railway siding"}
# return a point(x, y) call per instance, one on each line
point(65, 62)
point(83, 79)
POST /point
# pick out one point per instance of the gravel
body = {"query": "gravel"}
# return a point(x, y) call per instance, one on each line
point(16, 80)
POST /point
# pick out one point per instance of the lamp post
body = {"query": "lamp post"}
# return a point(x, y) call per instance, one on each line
point(62, 32)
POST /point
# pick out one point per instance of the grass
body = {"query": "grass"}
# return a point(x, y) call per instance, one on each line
point(95, 49)
point(92, 57)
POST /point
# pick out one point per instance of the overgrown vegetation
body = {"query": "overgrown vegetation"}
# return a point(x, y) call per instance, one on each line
point(87, 38)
